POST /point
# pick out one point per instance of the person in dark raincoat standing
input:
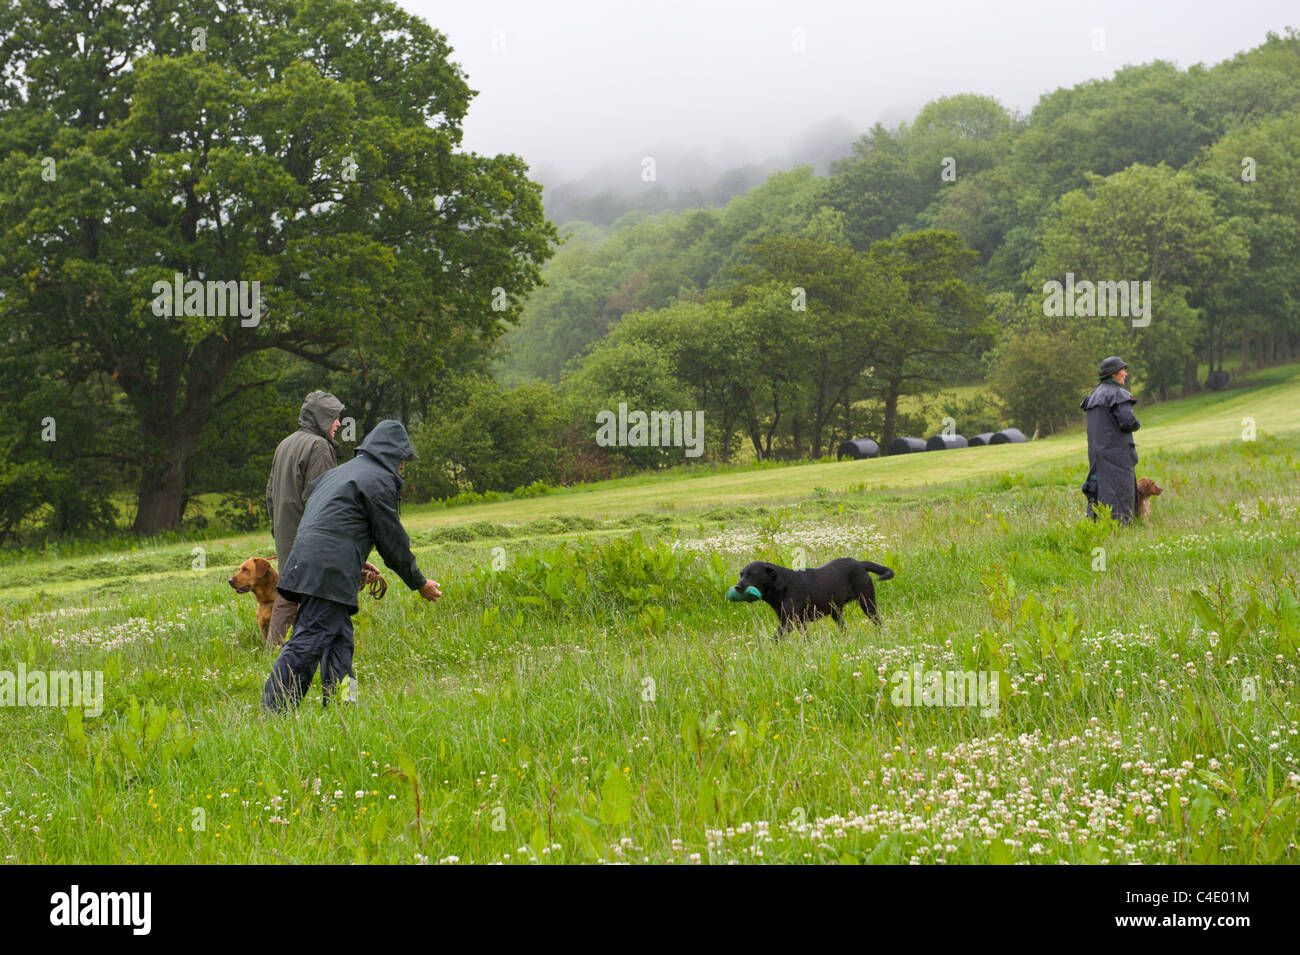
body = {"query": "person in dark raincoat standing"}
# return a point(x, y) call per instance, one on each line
point(299, 460)
point(350, 509)
point(1112, 455)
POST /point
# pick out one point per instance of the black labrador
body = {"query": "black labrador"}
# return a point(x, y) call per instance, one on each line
point(800, 596)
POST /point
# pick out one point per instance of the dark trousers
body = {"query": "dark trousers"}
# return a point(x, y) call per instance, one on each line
point(322, 636)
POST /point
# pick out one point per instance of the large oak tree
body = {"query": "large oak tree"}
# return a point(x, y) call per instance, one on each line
point(312, 146)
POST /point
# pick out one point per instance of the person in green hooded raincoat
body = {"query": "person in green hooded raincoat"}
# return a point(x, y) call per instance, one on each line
point(299, 459)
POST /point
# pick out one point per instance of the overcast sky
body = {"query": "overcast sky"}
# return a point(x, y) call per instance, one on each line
point(572, 85)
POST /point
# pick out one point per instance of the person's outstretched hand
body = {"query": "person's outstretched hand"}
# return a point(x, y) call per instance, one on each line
point(430, 591)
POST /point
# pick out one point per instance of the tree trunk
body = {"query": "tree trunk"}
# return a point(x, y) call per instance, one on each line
point(891, 417)
point(162, 489)
point(756, 437)
point(726, 434)
point(771, 429)
point(755, 433)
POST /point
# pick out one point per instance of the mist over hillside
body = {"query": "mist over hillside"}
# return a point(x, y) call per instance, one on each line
point(684, 177)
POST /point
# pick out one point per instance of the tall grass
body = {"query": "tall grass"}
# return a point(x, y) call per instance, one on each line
point(595, 698)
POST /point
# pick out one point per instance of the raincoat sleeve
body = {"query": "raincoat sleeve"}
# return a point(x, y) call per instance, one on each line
point(390, 536)
point(270, 499)
point(319, 460)
point(1125, 418)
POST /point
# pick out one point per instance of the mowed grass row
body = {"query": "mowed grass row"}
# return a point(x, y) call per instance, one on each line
point(1272, 402)
point(678, 498)
point(596, 698)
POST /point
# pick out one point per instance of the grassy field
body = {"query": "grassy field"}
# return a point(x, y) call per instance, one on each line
point(583, 692)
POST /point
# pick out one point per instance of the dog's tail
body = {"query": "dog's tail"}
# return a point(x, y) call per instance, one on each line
point(879, 569)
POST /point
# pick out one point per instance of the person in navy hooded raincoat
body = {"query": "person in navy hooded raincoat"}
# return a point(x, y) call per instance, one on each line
point(350, 510)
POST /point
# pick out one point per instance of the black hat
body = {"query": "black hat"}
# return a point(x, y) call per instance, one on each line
point(1111, 365)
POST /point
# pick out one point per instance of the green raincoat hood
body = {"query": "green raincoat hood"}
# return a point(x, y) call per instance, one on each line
point(319, 409)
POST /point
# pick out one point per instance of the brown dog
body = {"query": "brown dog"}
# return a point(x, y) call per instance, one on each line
point(257, 574)
point(1147, 489)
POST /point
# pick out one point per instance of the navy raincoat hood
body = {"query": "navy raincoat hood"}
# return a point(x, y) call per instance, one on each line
point(389, 444)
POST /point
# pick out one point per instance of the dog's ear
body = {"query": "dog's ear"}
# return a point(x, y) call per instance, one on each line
point(260, 566)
